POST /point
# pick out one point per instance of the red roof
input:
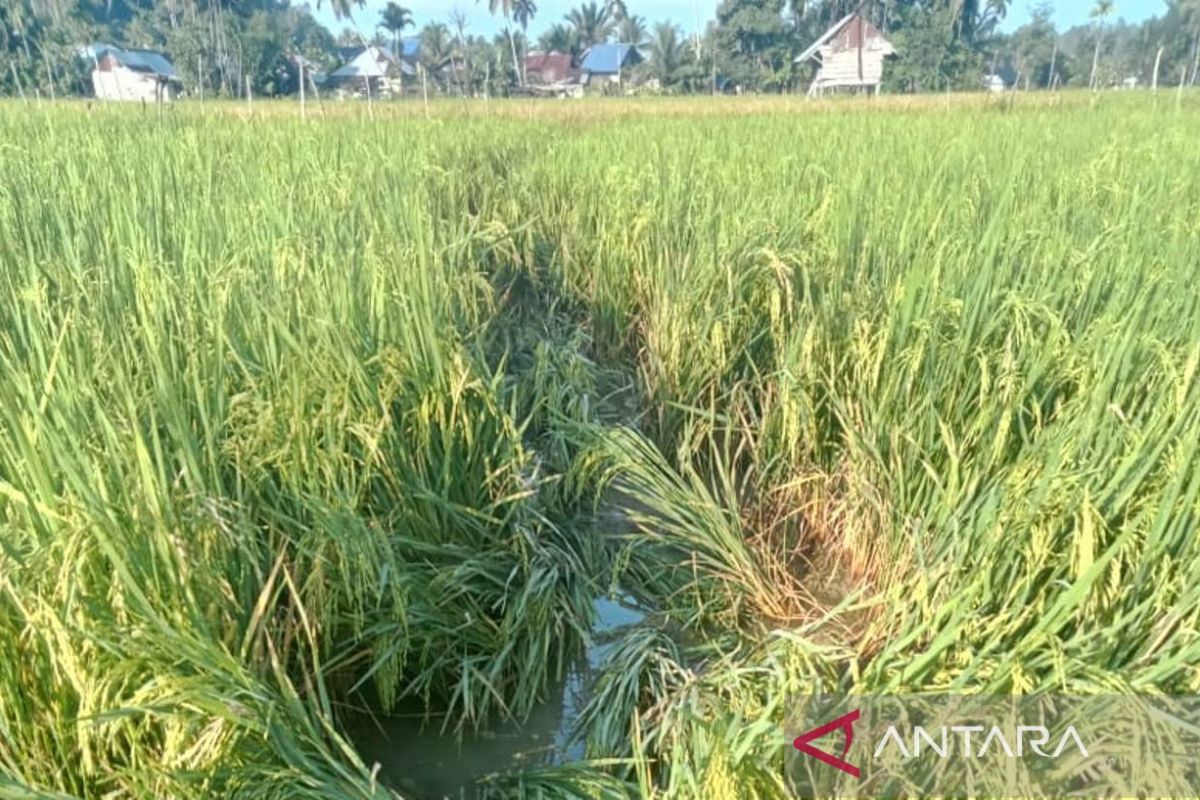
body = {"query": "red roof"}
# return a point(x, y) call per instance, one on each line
point(549, 67)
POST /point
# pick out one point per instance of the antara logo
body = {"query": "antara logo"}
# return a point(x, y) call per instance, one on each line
point(1027, 738)
point(844, 723)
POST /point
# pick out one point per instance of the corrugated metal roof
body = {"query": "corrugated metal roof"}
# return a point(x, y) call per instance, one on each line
point(607, 59)
point(549, 67)
point(150, 61)
point(373, 62)
point(824, 37)
point(852, 36)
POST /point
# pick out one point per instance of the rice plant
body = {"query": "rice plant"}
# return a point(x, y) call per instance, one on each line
point(303, 416)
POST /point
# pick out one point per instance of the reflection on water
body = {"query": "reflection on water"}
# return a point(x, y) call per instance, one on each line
point(417, 760)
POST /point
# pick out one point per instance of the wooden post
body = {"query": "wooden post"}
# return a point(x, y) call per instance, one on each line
point(317, 94)
point(1195, 58)
point(300, 63)
point(249, 96)
point(96, 65)
point(1154, 76)
point(1179, 91)
point(200, 78)
point(17, 79)
point(425, 90)
point(49, 74)
point(1051, 79)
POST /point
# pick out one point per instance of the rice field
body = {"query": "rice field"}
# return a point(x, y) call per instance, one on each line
point(302, 420)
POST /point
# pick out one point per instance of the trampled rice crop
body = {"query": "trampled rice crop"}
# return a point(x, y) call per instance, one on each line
point(302, 417)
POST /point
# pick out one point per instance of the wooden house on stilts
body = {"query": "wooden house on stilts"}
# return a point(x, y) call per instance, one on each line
point(849, 56)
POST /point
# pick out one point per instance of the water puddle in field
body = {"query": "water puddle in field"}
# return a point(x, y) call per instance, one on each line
point(418, 761)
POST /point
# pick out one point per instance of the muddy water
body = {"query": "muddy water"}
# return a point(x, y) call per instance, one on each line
point(415, 759)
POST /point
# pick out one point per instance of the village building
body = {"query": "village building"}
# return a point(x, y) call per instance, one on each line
point(994, 83)
point(543, 69)
point(131, 75)
point(849, 56)
point(607, 63)
point(372, 71)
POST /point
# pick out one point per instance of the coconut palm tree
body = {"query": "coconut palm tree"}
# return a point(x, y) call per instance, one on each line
point(435, 47)
point(342, 8)
point(395, 19)
point(1100, 12)
point(632, 30)
point(523, 11)
point(461, 60)
point(506, 8)
point(593, 23)
point(667, 52)
point(559, 37)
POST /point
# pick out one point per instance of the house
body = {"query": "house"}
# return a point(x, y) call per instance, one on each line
point(848, 56)
point(994, 83)
point(370, 69)
point(543, 68)
point(606, 62)
point(130, 75)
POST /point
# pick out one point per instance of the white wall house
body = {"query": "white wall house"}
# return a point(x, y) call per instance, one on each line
point(131, 75)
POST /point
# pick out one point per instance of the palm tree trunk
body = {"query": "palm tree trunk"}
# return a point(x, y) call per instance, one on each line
point(1095, 63)
point(524, 55)
point(398, 52)
point(512, 44)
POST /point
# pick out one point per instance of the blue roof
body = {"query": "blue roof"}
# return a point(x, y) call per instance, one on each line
point(149, 61)
point(410, 49)
point(607, 59)
point(142, 60)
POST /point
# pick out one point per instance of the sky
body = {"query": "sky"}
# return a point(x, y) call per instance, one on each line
point(1068, 13)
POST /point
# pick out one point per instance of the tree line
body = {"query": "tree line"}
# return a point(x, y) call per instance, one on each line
point(225, 45)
